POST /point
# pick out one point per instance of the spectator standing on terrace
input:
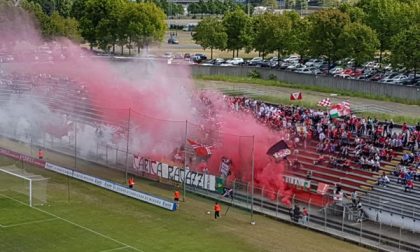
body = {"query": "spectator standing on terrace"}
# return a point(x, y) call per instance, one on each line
point(354, 198)
point(305, 216)
point(296, 214)
point(409, 186)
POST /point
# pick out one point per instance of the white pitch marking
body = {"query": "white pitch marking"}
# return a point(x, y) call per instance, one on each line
point(29, 222)
point(75, 224)
point(115, 249)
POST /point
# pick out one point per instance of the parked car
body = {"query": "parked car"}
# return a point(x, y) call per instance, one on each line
point(292, 59)
point(294, 67)
point(214, 62)
point(304, 70)
point(236, 61)
point(173, 41)
point(336, 70)
point(255, 61)
point(198, 58)
point(314, 63)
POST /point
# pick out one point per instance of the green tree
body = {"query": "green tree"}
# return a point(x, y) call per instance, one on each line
point(271, 33)
point(355, 13)
point(101, 23)
point(359, 42)
point(299, 35)
point(237, 26)
point(386, 18)
point(64, 27)
point(327, 26)
point(64, 7)
point(210, 33)
point(42, 18)
point(260, 33)
point(78, 9)
point(405, 48)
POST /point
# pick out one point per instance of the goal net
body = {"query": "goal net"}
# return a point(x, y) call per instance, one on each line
point(20, 185)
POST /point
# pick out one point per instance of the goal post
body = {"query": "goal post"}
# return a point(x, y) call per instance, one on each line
point(23, 186)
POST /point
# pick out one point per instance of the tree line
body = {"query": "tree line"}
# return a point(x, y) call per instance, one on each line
point(358, 31)
point(101, 23)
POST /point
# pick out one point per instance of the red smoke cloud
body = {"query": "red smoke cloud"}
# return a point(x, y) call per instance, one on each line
point(157, 95)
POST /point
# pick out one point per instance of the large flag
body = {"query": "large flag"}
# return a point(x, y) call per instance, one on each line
point(225, 166)
point(296, 96)
point(346, 105)
point(324, 102)
point(200, 150)
point(340, 109)
point(335, 111)
point(279, 150)
point(322, 188)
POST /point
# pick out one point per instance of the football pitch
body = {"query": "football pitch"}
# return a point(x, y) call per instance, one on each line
point(82, 217)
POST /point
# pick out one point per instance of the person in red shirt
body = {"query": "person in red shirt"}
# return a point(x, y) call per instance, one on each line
point(305, 215)
point(217, 209)
point(409, 186)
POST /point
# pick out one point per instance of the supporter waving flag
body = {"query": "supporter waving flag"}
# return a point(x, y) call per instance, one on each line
point(200, 150)
point(340, 109)
point(324, 102)
point(279, 150)
point(346, 105)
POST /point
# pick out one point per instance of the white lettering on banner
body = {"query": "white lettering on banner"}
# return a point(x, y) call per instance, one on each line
point(297, 181)
point(112, 187)
point(58, 169)
point(174, 173)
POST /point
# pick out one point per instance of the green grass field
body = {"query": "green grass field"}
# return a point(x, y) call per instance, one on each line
point(82, 217)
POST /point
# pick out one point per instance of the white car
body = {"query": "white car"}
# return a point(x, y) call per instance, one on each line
point(372, 65)
point(255, 61)
point(336, 70)
point(235, 61)
point(314, 63)
point(399, 78)
point(304, 70)
point(294, 67)
point(292, 59)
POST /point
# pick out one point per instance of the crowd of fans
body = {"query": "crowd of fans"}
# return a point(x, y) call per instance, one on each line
point(345, 143)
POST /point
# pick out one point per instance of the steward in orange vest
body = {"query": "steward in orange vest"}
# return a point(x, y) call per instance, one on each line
point(217, 209)
point(131, 182)
point(176, 196)
point(40, 154)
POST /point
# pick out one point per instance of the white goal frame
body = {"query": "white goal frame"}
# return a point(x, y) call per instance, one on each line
point(28, 178)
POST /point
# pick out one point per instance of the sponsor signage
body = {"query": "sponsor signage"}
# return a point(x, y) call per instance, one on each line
point(90, 179)
point(112, 187)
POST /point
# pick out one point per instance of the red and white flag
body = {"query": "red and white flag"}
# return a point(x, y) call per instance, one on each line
point(346, 104)
point(200, 150)
point(322, 188)
point(324, 102)
point(296, 96)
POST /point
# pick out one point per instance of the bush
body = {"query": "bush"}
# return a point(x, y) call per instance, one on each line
point(254, 74)
point(272, 77)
